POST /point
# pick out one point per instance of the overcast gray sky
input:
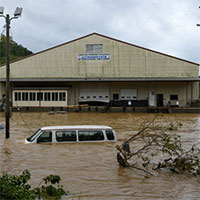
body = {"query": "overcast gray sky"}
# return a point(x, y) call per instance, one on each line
point(167, 26)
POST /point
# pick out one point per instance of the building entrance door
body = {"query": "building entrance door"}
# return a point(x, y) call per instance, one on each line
point(159, 98)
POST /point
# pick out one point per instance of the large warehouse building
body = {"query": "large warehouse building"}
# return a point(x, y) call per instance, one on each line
point(96, 69)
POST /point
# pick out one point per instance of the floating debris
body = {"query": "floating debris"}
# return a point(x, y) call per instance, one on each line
point(155, 147)
point(2, 126)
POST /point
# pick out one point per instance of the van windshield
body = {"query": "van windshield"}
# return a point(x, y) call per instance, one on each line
point(32, 138)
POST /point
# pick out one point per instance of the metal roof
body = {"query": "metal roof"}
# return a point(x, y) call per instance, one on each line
point(101, 35)
point(101, 79)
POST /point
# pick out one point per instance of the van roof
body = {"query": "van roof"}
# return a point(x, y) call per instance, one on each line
point(76, 127)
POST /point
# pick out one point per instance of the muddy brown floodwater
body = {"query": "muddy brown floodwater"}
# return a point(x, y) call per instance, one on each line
point(90, 171)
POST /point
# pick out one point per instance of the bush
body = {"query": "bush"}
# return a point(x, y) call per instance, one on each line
point(13, 187)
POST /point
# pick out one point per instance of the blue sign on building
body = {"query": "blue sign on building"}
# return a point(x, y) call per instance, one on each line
point(94, 56)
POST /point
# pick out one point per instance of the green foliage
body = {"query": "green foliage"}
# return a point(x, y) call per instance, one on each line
point(16, 51)
point(13, 187)
point(48, 190)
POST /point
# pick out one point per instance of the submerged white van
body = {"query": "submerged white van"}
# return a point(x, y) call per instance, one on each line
point(66, 134)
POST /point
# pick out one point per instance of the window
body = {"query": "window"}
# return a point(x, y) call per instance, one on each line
point(32, 138)
point(134, 97)
point(110, 135)
point(94, 48)
point(46, 136)
point(17, 96)
point(90, 135)
point(62, 96)
point(115, 96)
point(32, 96)
point(54, 96)
point(39, 96)
point(173, 97)
point(24, 96)
point(62, 136)
point(47, 96)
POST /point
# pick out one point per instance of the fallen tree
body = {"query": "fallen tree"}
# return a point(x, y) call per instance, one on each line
point(157, 147)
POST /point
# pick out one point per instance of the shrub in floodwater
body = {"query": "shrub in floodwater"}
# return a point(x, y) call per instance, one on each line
point(13, 187)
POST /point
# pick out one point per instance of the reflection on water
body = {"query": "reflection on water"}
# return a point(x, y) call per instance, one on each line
point(6, 156)
point(90, 171)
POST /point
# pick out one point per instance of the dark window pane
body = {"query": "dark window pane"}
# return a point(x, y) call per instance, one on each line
point(24, 96)
point(173, 97)
point(62, 96)
point(17, 96)
point(39, 96)
point(46, 136)
point(54, 96)
point(32, 138)
point(90, 135)
point(62, 136)
point(110, 135)
point(47, 96)
point(32, 96)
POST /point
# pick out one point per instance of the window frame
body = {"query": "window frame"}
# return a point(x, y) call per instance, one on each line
point(110, 137)
point(47, 96)
point(62, 96)
point(25, 96)
point(66, 131)
point(18, 96)
point(50, 137)
point(174, 97)
point(94, 48)
point(81, 137)
point(40, 96)
point(54, 96)
point(32, 96)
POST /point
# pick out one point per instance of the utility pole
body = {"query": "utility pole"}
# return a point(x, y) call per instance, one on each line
point(17, 14)
point(7, 111)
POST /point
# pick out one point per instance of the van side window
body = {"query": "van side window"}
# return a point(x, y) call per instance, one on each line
point(62, 136)
point(46, 136)
point(110, 135)
point(90, 135)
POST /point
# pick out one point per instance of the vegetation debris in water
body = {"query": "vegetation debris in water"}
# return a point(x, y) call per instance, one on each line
point(155, 147)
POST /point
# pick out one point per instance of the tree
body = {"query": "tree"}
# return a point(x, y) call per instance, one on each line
point(16, 51)
point(156, 147)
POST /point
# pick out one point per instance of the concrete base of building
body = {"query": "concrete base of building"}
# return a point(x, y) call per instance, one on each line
point(62, 110)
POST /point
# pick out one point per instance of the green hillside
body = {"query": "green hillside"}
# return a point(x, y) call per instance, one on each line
point(16, 51)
